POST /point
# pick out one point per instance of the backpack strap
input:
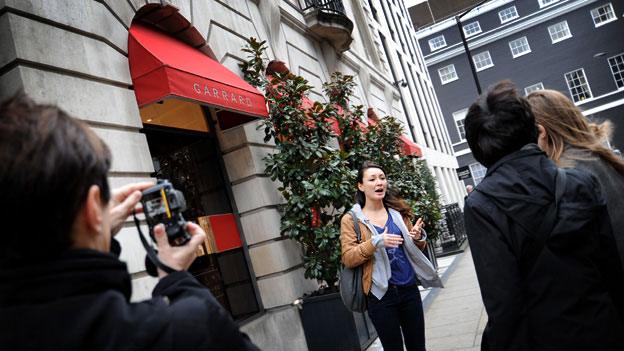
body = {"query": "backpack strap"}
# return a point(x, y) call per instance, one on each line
point(356, 227)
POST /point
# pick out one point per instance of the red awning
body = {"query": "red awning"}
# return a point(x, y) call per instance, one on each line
point(409, 147)
point(162, 66)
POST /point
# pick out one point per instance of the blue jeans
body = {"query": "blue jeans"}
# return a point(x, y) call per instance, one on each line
point(400, 310)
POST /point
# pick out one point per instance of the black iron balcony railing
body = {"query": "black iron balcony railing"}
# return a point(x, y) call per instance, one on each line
point(333, 6)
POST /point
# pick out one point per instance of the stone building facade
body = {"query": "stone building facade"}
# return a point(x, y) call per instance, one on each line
point(75, 54)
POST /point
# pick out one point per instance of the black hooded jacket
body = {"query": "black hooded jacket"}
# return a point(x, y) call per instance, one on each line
point(80, 301)
point(569, 295)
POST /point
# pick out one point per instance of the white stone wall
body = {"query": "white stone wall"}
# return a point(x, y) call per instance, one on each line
point(73, 53)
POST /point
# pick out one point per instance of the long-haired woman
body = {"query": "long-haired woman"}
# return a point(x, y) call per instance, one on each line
point(570, 140)
point(390, 251)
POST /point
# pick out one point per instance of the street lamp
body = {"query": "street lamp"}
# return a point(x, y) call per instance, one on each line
point(463, 37)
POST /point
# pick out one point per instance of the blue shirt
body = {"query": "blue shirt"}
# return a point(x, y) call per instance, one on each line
point(402, 271)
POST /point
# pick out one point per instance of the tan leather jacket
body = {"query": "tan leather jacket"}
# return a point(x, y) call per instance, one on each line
point(354, 254)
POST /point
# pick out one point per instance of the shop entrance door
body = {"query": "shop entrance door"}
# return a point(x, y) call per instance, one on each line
point(185, 150)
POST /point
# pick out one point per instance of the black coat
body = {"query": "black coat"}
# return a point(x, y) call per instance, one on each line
point(80, 301)
point(569, 297)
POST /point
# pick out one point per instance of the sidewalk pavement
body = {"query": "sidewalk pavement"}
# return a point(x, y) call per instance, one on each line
point(454, 316)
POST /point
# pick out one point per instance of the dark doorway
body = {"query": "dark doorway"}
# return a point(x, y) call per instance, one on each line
point(190, 160)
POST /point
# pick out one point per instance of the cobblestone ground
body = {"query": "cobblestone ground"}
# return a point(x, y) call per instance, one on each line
point(454, 316)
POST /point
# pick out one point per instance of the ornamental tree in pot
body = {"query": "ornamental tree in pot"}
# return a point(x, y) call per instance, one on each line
point(318, 180)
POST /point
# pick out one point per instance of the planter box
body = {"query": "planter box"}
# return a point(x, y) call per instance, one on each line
point(329, 326)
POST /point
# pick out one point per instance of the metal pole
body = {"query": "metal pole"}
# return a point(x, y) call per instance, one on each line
point(470, 61)
point(463, 38)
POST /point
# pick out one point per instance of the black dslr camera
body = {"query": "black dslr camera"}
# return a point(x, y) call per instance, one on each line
point(164, 204)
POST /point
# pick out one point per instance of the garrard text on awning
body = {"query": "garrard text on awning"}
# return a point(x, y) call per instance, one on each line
point(222, 94)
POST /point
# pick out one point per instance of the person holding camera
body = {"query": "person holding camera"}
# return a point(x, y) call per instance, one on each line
point(62, 286)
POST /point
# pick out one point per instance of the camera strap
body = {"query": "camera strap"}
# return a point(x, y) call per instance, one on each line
point(151, 253)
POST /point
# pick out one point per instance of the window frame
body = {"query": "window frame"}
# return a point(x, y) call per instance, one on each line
point(544, 3)
point(568, 36)
point(439, 47)
point(460, 116)
point(477, 168)
point(491, 64)
point(621, 73)
point(468, 35)
point(591, 95)
point(531, 86)
point(609, 20)
point(503, 21)
point(442, 81)
point(526, 40)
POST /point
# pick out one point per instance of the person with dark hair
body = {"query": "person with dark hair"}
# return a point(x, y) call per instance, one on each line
point(540, 237)
point(390, 250)
point(61, 287)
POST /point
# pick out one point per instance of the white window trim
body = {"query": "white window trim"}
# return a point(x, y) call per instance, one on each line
point(459, 115)
point(450, 80)
point(472, 34)
point(541, 4)
point(522, 53)
point(532, 85)
point(562, 38)
point(475, 165)
point(510, 18)
point(615, 17)
point(611, 69)
point(484, 67)
point(591, 94)
point(439, 47)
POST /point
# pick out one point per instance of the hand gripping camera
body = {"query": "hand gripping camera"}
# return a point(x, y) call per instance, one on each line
point(164, 204)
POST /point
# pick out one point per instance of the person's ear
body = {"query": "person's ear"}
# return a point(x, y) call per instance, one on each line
point(93, 210)
point(542, 137)
point(360, 186)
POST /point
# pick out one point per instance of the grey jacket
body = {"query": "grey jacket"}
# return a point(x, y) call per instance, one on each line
point(381, 267)
point(611, 182)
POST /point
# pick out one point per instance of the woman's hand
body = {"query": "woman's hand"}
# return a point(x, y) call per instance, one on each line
point(416, 232)
point(391, 240)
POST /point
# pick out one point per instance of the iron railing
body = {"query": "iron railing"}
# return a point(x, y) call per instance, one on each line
point(452, 230)
point(333, 6)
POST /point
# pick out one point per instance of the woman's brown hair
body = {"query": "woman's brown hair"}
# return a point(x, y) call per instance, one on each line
point(566, 126)
point(391, 199)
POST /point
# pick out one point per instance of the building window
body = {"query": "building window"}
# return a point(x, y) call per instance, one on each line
point(459, 118)
point(603, 15)
point(531, 88)
point(482, 61)
point(543, 3)
point(578, 85)
point(478, 172)
point(447, 74)
point(472, 28)
point(437, 43)
point(508, 14)
point(617, 68)
point(559, 31)
point(519, 47)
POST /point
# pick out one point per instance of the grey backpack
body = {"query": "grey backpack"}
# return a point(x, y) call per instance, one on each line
point(351, 290)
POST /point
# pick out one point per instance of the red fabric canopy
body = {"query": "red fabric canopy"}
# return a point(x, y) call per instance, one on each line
point(163, 66)
point(409, 147)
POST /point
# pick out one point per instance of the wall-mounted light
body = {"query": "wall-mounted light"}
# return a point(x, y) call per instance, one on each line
point(400, 83)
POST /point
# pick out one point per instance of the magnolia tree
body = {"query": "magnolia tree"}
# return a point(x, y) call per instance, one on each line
point(318, 179)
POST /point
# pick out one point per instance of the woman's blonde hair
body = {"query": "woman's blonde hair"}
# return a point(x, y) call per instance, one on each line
point(566, 126)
